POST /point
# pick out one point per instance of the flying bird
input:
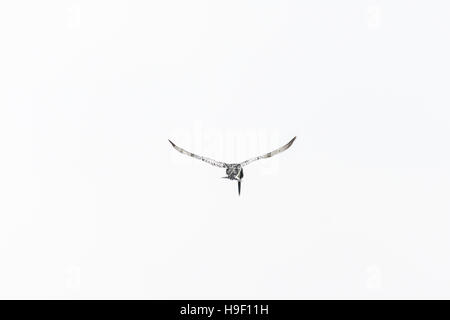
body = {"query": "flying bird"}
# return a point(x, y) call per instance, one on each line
point(234, 171)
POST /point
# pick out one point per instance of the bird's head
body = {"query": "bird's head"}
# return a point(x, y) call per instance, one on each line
point(234, 171)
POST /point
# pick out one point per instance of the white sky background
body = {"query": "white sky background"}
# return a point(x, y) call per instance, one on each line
point(94, 202)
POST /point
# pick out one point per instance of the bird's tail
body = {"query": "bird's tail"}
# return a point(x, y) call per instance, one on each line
point(239, 187)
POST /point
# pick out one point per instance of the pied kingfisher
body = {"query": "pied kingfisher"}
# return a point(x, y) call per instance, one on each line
point(234, 171)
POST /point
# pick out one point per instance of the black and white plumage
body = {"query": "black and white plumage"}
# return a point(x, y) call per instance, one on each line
point(234, 171)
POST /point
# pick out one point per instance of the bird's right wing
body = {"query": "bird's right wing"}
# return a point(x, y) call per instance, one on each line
point(270, 154)
point(208, 160)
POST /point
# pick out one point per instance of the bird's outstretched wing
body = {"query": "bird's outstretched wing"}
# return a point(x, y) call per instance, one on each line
point(208, 160)
point(270, 154)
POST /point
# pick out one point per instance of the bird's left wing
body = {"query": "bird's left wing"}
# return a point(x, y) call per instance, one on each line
point(208, 160)
point(270, 154)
